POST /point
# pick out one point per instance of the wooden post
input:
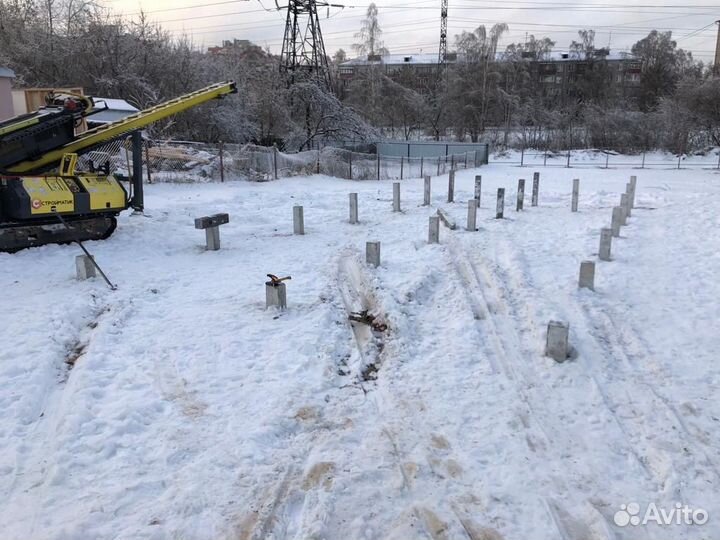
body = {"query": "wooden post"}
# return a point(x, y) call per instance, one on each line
point(535, 188)
point(396, 196)
point(500, 206)
point(222, 163)
point(451, 186)
point(478, 189)
point(633, 187)
point(520, 195)
point(426, 191)
point(575, 195)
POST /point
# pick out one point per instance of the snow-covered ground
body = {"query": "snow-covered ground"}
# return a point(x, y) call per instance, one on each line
point(191, 412)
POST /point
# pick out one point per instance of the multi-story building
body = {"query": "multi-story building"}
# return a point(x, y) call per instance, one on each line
point(422, 66)
point(558, 72)
point(555, 72)
point(230, 47)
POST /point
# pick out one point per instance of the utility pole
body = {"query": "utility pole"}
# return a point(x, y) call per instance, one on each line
point(442, 55)
point(716, 65)
point(303, 52)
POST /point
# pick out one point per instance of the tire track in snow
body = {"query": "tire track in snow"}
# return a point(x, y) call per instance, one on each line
point(497, 275)
point(406, 437)
point(31, 477)
point(506, 344)
point(617, 392)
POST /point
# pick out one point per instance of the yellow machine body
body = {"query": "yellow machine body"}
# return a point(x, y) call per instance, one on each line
point(37, 196)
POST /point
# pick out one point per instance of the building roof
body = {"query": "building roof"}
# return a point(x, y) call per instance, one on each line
point(560, 56)
point(396, 59)
point(117, 109)
point(7, 73)
point(432, 58)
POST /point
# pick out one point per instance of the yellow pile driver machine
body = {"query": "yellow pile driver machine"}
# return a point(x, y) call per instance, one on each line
point(39, 207)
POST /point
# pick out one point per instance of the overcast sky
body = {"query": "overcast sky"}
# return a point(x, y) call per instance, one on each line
point(414, 25)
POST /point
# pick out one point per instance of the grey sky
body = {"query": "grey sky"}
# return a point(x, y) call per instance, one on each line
point(414, 25)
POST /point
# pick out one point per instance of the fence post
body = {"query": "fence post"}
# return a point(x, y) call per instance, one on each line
point(545, 158)
point(426, 191)
point(222, 163)
point(318, 161)
point(421, 166)
point(147, 162)
point(520, 195)
point(402, 163)
point(438, 171)
point(522, 156)
point(452, 162)
point(535, 188)
point(475, 160)
point(679, 158)
point(568, 161)
point(643, 161)
point(451, 186)
point(478, 189)
point(378, 166)
point(350, 164)
point(607, 159)
point(275, 153)
point(466, 159)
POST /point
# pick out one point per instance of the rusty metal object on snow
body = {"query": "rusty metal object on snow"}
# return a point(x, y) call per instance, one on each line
point(367, 318)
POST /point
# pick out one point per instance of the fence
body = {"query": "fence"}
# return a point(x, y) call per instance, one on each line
point(431, 149)
point(607, 160)
point(174, 161)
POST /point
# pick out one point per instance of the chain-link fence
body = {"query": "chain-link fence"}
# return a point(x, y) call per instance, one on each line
point(605, 159)
point(174, 161)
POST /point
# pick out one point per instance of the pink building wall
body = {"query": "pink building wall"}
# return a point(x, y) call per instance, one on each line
point(6, 102)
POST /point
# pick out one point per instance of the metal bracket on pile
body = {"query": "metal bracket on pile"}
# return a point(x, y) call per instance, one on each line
point(367, 318)
point(275, 281)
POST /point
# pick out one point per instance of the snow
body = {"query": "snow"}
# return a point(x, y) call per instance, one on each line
point(192, 412)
